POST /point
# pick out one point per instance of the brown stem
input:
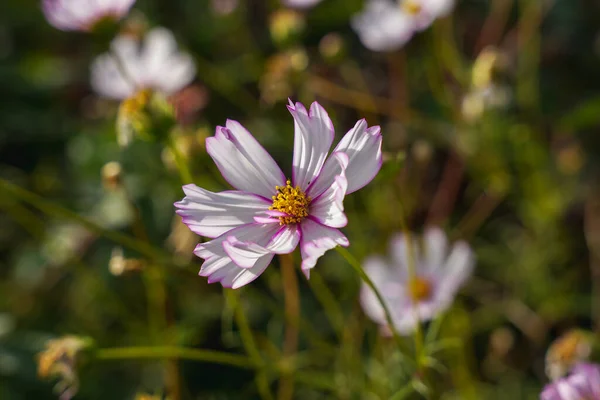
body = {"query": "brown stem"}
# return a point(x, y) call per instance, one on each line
point(292, 310)
point(447, 192)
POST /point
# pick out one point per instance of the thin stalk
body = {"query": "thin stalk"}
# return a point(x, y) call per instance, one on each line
point(292, 311)
point(262, 381)
point(51, 209)
point(361, 273)
point(124, 353)
point(182, 167)
point(412, 274)
point(327, 300)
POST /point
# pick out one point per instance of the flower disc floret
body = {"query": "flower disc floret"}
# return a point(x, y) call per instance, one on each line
point(291, 201)
point(412, 7)
point(420, 289)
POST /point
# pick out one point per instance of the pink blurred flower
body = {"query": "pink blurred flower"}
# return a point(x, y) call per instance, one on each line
point(385, 25)
point(268, 214)
point(583, 383)
point(438, 276)
point(82, 15)
point(155, 64)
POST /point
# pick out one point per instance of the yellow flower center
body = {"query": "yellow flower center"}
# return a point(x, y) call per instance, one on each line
point(419, 289)
point(134, 104)
point(412, 7)
point(292, 201)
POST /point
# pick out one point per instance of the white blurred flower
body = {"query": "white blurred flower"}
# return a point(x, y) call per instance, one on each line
point(83, 15)
point(385, 25)
point(439, 273)
point(301, 3)
point(155, 64)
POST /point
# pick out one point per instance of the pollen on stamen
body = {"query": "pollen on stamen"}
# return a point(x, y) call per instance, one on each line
point(292, 201)
point(412, 7)
point(420, 289)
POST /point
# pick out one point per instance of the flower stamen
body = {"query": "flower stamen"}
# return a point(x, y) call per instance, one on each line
point(420, 289)
point(292, 201)
point(412, 7)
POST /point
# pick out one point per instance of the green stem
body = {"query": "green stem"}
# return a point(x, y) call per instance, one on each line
point(51, 209)
point(292, 311)
point(262, 380)
point(182, 166)
point(327, 300)
point(121, 353)
point(317, 380)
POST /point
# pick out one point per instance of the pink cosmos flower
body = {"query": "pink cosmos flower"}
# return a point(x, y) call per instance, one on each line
point(582, 384)
point(155, 64)
point(268, 214)
point(386, 25)
point(438, 276)
point(82, 15)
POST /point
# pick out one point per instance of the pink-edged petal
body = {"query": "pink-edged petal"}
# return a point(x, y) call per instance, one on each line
point(212, 214)
point(457, 269)
point(362, 145)
point(278, 239)
point(218, 265)
point(254, 232)
point(243, 254)
point(243, 276)
point(285, 240)
point(313, 135)
point(315, 241)
point(436, 248)
point(328, 208)
point(243, 162)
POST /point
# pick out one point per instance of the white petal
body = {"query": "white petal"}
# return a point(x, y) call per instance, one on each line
point(107, 78)
point(378, 270)
point(242, 276)
point(400, 254)
point(278, 239)
point(458, 268)
point(219, 267)
point(82, 14)
point(437, 8)
point(313, 135)
point(436, 245)
point(243, 162)
point(212, 214)
point(285, 240)
point(362, 145)
point(328, 208)
point(244, 254)
point(383, 26)
point(166, 68)
point(316, 240)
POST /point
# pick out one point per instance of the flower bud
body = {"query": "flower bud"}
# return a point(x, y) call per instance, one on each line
point(147, 115)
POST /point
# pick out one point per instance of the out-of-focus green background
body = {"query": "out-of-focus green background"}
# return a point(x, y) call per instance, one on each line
point(519, 181)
